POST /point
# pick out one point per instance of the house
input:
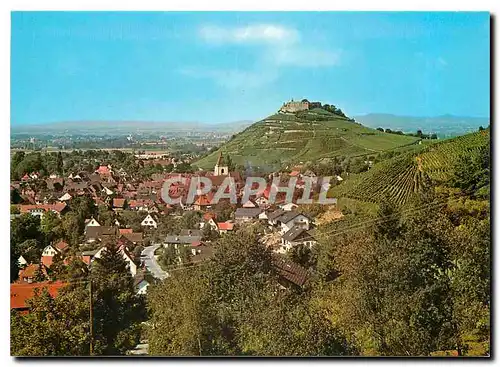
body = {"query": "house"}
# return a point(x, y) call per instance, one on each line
point(290, 273)
point(92, 222)
point(191, 232)
point(262, 202)
point(272, 217)
point(29, 273)
point(149, 222)
point(247, 214)
point(20, 293)
point(65, 197)
point(135, 237)
point(224, 227)
point(41, 209)
point(291, 219)
point(51, 250)
point(98, 233)
point(176, 240)
point(202, 202)
point(211, 222)
point(263, 216)
point(295, 237)
point(250, 204)
point(21, 262)
point(288, 207)
point(118, 204)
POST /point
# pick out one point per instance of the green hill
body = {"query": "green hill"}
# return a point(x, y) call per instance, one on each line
point(313, 135)
point(400, 177)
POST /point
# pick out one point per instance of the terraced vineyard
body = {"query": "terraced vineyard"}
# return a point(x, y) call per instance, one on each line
point(400, 178)
point(437, 161)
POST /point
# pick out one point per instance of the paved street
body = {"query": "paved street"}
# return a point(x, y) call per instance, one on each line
point(150, 262)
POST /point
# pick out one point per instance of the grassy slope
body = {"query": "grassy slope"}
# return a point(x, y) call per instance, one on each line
point(286, 139)
point(400, 177)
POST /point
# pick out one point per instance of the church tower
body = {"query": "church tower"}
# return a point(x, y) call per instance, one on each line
point(221, 167)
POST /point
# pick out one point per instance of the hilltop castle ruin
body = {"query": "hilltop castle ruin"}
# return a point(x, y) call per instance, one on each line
point(293, 106)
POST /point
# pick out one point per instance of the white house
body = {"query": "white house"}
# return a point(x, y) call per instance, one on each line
point(294, 237)
point(292, 219)
point(22, 261)
point(288, 207)
point(149, 221)
point(49, 251)
point(262, 202)
point(92, 223)
point(65, 197)
point(250, 204)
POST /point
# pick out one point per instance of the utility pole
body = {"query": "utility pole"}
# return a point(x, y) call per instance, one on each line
point(91, 315)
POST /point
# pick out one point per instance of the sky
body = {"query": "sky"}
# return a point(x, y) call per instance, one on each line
point(229, 66)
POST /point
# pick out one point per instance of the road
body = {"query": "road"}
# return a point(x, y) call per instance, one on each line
point(148, 256)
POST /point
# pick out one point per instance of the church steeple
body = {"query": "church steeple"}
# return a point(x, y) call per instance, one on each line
point(221, 167)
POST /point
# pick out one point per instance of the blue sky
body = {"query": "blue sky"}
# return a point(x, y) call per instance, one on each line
point(222, 67)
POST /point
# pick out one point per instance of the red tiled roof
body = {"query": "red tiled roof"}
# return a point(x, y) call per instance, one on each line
point(126, 230)
point(58, 207)
point(21, 292)
point(47, 261)
point(225, 226)
point(118, 203)
point(61, 245)
point(294, 173)
point(202, 200)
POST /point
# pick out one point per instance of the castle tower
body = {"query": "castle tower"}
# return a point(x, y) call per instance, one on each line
point(221, 167)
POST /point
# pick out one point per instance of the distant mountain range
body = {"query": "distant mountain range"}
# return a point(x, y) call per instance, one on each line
point(443, 126)
point(128, 127)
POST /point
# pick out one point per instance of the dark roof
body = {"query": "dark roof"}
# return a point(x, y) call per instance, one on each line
point(183, 239)
point(97, 232)
point(277, 213)
point(191, 232)
point(297, 233)
point(247, 212)
point(135, 237)
point(288, 270)
point(205, 252)
point(288, 216)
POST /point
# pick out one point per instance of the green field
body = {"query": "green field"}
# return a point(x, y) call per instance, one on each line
point(282, 139)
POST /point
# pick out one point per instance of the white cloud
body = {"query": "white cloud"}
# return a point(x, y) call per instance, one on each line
point(256, 33)
point(233, 78)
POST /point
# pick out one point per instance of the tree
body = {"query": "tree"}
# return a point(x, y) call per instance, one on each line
point(380, 129)
point(60, 164)
point(117, 308)
point(50, 226)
